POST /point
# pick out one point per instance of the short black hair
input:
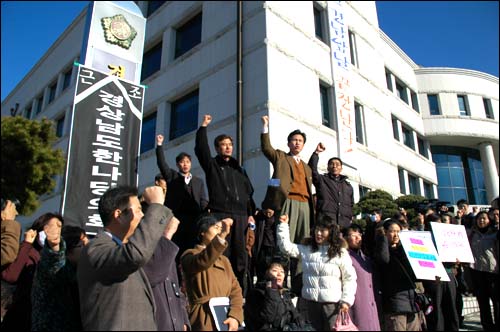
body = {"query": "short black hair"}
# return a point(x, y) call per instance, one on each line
point(390, 222)
point(205, 221)
point(335, 158)
point(159, 177)
point(353, 227)
point(296, 132)
point(221, 138)
point(462, 201)
point(115, 198)
point(72, 236)
point(181, 156)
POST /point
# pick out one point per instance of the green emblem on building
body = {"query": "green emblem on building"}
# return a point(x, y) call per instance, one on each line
point(118, 31)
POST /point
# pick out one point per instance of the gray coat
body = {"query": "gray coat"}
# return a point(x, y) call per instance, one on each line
point(114, 290)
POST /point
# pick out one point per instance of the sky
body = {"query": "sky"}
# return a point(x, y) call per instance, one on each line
point(457, 34)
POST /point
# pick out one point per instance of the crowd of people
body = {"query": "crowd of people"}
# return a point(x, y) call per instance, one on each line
point(165, 253)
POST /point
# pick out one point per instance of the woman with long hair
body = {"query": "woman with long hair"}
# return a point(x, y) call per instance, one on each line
point(329, 279)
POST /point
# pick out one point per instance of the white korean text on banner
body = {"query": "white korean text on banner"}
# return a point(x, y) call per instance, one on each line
point(452, 242)
point(104, 144)
point(422, 254)
point(340, 60)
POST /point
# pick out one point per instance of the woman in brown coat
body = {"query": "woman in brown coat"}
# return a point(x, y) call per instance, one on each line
point(208, 274)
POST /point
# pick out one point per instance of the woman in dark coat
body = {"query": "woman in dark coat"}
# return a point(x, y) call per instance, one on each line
point(398, 280)
point(21, 273)
point(171, 314)
point(269, 306)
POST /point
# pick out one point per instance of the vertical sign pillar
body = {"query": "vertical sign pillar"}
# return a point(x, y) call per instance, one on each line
point(103, 148)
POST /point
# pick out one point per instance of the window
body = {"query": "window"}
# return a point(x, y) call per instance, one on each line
point(433, 104)
point(408, 138)
point(363, 191)
point(52, 93)
point(388, 79)
point(28, 112)
point(326, 107)
point(428, 191)
point(462, 105)
point(153, 6)
point(184, 115)
point(319, 26)
point(414, 185)
point(395, 129)
point(402, 185)
point(360, 134)
point(39, 105)
point(151, 62)
point(401, 91)
point(188, 36)
point(421, 147)
point(488, 109)
point(414, 101)
point(67, 79)
point(148, 135)
point(353, 49)
point(460, 174)
point(60, 127)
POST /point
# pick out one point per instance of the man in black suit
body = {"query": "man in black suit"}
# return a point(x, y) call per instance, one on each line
point(185, 196)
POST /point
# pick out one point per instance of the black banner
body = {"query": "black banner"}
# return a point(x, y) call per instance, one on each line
point(104, 144)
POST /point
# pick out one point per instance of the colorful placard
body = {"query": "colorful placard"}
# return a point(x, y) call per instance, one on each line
point(452, 242)
point(422, 254)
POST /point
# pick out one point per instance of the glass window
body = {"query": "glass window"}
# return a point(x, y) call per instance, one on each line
point(395, 130)
point(360, 128)
point(462, 105)
point(188, 36)
point(184, 115)
point(459, 173)
point(363, 191)
point(29, 110)
point(148, 135)
point(433, 104)
point(402, 186)
point(325, 106)
point(318, 23)
point(153, 6)
point(151, 61)
point(66, 79)
point(414, 185)
point(39, 105)
point(388, 79)
point(488, 109)
point(428, 191)
point(408, 138)
point(421, 147)
point(52, 93)
point(353, 49)
point(401, 91)
point(60, 127)
point(414, 101)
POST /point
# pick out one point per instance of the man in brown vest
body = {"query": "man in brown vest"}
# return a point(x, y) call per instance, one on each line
point(289, 189)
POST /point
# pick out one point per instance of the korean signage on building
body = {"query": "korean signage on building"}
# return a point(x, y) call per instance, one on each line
point(104, 144)
point(340, 55)
point(114, 39)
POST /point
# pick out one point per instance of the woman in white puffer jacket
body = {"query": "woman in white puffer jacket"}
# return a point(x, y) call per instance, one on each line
point(329, 279)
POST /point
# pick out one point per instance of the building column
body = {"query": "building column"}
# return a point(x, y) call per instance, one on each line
point(489, 170)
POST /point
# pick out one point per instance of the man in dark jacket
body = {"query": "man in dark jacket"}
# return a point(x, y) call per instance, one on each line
point(230, 195)
point(333, 192)
point(171, 314)
point(185, 196)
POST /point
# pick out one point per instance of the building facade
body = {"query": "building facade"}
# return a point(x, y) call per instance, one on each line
point(414, 130)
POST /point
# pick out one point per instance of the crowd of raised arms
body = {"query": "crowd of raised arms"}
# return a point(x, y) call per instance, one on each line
point(167, 257)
